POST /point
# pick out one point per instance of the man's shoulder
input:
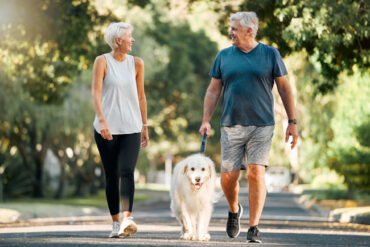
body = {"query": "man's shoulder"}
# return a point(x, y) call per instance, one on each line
point(269, 49)
point(227, 50)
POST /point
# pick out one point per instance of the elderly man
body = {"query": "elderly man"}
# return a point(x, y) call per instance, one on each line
point(247, 71)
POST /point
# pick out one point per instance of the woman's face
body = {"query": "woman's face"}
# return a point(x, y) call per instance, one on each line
point(125, 42)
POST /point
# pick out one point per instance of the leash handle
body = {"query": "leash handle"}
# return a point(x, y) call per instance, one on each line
point(204, 142)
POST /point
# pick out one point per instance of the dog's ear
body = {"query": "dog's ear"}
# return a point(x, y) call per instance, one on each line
point(211, 175)
point(185, 168)
point(212, 172)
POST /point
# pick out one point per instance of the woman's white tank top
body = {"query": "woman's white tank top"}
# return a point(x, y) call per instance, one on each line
point(120, 101)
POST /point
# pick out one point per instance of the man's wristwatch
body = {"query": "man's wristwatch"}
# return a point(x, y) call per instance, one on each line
point(294, 121)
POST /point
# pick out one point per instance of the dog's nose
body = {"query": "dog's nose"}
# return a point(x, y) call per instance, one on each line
point(197, 179)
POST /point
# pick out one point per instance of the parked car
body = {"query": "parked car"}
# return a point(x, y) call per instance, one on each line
point(277, 178)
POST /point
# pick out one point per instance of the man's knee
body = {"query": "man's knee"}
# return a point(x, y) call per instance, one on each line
point(255, 172)
point(229, 178)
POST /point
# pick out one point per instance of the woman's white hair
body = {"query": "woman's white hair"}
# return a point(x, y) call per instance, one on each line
point(115, 30)
point(247, 20)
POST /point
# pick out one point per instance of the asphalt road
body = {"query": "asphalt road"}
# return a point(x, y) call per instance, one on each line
point(284, 223)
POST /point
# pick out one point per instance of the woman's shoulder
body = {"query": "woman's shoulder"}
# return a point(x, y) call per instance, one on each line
point(139, 62)
point(101, 59)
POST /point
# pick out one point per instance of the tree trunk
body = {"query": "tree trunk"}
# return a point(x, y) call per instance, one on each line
point(38, 190)
point(1, 189)
point(39, 158)
point(62, 181)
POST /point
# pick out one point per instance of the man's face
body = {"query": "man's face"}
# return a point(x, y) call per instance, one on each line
point(237, 33)
point(126, 41)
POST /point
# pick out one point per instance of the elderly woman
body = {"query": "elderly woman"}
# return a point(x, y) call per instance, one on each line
point(120, 123)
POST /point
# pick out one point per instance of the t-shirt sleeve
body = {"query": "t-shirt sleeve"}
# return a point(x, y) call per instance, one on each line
point(279, 66)
point(216, 68)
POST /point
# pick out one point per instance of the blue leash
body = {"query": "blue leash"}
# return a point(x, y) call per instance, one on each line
point(204, 142)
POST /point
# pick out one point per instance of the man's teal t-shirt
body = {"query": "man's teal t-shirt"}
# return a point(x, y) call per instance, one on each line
point(248, 79)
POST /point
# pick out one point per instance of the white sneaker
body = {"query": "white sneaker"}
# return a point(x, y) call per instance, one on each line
point(128, 227)
point(115, 230)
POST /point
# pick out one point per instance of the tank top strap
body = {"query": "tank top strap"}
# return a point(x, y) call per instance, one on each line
point(131, 63)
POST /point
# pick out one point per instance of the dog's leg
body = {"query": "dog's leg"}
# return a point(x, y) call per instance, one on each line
point(204, 218)
point(194, 224)
point(185, 220)
point(183, 223)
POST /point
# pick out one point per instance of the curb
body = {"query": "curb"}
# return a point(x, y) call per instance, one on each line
point(8, 215)
point(310, 205)
point(360, 215)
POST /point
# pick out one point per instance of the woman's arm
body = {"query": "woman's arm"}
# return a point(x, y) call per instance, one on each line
point(139, 67)
point(99, 72)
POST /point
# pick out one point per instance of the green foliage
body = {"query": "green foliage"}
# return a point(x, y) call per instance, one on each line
point(349, 150)
point(355, 166)
point(333, 33)
point(363, 133)
point(177, 62)
point(335, 194)
point(184, 80)
point(46, 43)
point(354, 163)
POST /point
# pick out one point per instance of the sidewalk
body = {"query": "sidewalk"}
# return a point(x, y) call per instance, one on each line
point(284, 223)
point(43, 213)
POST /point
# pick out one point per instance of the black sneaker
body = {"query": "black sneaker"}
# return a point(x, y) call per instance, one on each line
point(233, 223)
point(253, 235)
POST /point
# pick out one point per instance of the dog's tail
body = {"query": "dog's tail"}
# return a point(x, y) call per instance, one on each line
point(217, 196)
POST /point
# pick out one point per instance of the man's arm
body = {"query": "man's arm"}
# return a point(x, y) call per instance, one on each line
point(210, 102)
point(286, 95)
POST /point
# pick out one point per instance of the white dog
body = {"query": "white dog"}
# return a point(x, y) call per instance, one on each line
point(192, 195)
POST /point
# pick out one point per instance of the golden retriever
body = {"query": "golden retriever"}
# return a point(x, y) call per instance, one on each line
point(192, 196)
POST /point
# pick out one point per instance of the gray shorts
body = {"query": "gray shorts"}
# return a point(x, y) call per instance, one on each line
point(240, 142)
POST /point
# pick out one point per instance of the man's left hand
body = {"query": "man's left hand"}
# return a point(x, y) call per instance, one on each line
point(292, 131)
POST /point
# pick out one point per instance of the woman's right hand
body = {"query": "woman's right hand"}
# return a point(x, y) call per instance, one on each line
point(104, 131)
point(144, 137)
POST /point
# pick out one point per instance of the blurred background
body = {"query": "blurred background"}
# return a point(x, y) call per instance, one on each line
point(48, 47)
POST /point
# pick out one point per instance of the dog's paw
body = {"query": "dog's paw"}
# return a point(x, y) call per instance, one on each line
point(187, 236)
point(204, 237)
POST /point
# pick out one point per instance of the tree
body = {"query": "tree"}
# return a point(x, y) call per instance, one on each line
point(349, 152)
point(45, 45)
point(333, 33)
point(177, 90)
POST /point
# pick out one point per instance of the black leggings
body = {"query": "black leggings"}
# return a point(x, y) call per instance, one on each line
point(119, 157)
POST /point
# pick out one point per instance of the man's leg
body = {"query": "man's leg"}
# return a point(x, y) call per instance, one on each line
point(230, 186)
point(257, 192)
point(258, 149)
point(232, 156)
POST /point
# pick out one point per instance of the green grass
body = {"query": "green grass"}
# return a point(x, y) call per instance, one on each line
point(97, 200)
point(154, 187)
point(334, 194)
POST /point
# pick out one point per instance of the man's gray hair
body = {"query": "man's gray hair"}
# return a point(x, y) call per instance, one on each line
point(115, 30)
point(247, 20)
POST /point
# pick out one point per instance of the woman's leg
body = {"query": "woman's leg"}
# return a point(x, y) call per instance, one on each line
point(108, 150)
point(127, 158)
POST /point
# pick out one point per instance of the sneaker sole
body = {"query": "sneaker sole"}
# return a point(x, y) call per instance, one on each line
point(241, 213)
point(129, 230)
point(254, 241)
